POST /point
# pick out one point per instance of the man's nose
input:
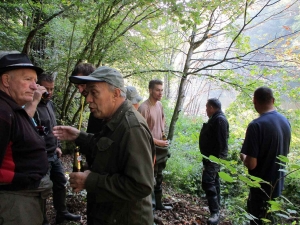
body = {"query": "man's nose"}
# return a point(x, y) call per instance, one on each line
point(33, 86)
point(88, 97)
point(80, 89)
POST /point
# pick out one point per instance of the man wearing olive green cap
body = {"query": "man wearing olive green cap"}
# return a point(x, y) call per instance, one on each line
point(133, 96)
point(121, 180)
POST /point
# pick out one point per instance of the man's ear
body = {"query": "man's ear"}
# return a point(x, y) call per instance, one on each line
point(5, 78)
point(117, 93)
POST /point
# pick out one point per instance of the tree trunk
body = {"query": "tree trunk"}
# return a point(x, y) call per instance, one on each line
point(182, 87)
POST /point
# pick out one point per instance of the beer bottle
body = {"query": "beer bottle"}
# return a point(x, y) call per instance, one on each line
point(164, 137)
point(77, 160)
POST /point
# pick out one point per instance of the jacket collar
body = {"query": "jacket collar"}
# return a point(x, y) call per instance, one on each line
point(118, 115)
point(217, 113)
point(10, 101)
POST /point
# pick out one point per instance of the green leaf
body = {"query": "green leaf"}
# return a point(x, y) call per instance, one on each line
point(295, 166)
point(283, 170)
point(256, 178)
point(283, 158)
point(266, 220)
point(226, 177)
point(225, 162)
point(274, 206)
point(248, 181)
point(291, 211)
point(214, 159)
point(231, 169)
point(250, 217)
point(282, 215)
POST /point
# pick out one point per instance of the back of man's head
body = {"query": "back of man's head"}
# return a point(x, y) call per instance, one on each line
point(215, 103)
point(263, 95)
point(152, 83)
point(83, 69)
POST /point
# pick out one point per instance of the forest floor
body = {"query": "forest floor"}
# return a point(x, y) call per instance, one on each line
point(187, 209)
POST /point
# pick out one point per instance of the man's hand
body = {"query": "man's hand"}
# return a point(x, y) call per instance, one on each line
point(77, 180)
point(248, 161)
point(30, 107)
point(161, 143)
point(58, 152)
point(242, 157)
point(66, 133)
point(38, 93)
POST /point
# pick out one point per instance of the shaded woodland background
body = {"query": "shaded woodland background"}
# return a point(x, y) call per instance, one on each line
point(200, 49)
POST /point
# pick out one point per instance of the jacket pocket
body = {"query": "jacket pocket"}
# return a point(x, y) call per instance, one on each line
point(104, 144)
point(103, 155)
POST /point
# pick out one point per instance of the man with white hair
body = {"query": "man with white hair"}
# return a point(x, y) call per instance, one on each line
point(24, 183)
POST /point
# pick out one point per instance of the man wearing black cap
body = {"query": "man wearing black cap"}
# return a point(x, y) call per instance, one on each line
point(213, 140)
point(121, 176)
point(24, 183)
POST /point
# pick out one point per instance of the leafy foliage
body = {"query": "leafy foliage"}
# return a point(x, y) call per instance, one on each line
point(230, 45)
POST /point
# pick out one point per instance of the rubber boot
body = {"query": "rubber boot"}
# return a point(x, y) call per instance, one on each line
point(59, 202)
point(66, 215)
point(46, 222)
point(159, 205)
point(153, 201)
point(213, 205)
point(213, 219)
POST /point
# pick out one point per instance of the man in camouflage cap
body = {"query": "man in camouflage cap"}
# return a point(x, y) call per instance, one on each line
point(133, 96)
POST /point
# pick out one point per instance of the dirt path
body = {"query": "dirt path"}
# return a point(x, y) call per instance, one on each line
point(187, 209)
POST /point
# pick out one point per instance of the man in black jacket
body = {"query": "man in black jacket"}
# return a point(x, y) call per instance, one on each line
point(94, 124)
point(24, 181)
point(213, 140)
point(43, 111)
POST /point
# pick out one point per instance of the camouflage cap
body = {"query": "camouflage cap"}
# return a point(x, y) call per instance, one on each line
point(102, 74)
point(132, 95)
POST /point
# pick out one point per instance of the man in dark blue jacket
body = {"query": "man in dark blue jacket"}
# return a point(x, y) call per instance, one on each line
point(267, 137)
point(213, 140)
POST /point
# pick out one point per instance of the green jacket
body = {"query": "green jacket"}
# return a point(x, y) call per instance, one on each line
point(122, 176)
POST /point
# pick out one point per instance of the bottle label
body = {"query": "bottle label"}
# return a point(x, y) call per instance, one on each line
point(79, 158)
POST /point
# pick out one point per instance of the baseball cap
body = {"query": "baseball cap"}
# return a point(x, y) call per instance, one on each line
point(12, 61)
point(132, 95)
point(102, 74)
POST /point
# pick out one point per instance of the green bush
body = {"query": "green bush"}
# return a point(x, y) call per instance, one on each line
point(184, 167)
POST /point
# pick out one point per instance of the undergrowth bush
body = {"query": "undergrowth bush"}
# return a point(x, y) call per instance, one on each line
point(184, 168)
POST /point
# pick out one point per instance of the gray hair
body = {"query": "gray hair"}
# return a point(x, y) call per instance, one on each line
point(112, 89)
